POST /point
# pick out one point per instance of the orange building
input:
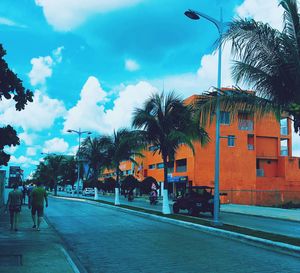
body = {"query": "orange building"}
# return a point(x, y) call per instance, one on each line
point(256, 163)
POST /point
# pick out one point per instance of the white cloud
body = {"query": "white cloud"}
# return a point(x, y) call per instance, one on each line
point(10, 23)
point(38, 115)
point(65, 15)
point(262, 10)
point(25, 162)
point(131, 65)
point(31, 151)
point(89, 112)
point(10, 149)
point(55, 145)
point(131, 97)
point(28, 139)
point(42, 67)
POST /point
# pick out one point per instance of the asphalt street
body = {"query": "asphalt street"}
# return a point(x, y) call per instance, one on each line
point(277, 226)
point(108, 240)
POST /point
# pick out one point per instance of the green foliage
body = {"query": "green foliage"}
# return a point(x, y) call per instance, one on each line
point(93, 151)
point(109, 184)
point(56, 169)
point(268, 60)
point(166, 123)
point(122, 145)
point(129, 183)
point(145, 185)
point(11, 87)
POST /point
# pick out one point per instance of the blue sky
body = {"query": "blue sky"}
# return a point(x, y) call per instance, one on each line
point(90, 62)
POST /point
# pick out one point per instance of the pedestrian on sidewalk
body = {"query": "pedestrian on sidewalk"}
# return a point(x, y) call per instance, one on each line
point(37, 198)
point(14, 204)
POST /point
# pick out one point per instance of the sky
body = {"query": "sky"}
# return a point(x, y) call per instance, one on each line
point(91, 62)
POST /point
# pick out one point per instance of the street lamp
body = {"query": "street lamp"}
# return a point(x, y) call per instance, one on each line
point(79, 132)
point(196, 15)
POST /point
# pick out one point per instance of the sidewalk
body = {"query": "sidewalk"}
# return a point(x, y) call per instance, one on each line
point(277, 213)
point(30, 251)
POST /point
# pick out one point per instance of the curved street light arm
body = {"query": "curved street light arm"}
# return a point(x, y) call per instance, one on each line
point(217, 23)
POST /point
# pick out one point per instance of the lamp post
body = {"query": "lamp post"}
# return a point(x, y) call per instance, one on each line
point(196, 15)
point(79, 132)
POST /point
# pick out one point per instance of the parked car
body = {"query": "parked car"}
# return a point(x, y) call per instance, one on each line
point(88, 192)
point(68, 189)
point(195, 199)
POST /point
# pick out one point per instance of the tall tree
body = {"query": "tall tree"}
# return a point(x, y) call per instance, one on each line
point(268, 61)
point(122, 145)
point(11, 87)
point(168, 123)
point(93, 151)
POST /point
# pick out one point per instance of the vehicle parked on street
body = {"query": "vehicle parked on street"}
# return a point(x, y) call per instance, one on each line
point(195, 199)
point(68, 188)
point(88, 192)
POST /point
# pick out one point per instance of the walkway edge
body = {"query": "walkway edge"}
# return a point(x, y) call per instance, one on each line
point(282, 247)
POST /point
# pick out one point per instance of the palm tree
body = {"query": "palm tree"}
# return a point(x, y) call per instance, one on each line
point(168, 123)
point(93, 151)
point(54, 167)
point(122, 145)
point(268, 61)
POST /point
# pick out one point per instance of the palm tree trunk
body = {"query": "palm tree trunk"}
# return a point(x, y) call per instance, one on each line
point(55, 187)
point(117, 188)
point(166, 205)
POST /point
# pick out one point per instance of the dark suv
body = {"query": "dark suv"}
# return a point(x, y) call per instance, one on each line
point(195, 199)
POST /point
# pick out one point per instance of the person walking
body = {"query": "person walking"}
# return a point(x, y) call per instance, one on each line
point(37, 198)
point(14, 204)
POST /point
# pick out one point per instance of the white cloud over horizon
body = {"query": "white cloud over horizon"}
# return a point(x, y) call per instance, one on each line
point(37, 116)
point(23, 161)
point(55, 145)
point(73, 13)
point(89, 112)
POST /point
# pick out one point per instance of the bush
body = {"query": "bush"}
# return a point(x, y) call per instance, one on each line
point(145, 185)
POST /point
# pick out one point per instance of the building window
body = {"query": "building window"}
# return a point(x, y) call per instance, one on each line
point(284, 150)
point(181, 165)
point(224, 118)
point(245, 121)
point(299, 163)
point(284, 127)
point(231, 141)
point(152, 166)
point(250, 142)
point(160, 165)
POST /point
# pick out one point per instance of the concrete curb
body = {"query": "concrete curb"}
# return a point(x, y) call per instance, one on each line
point(282, 247)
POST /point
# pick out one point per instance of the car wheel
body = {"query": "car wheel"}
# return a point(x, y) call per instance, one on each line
point(175, 208)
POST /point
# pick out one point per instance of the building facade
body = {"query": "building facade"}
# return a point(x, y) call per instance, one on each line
point(256, 162)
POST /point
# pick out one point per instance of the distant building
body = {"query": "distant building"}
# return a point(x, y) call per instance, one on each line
point(15, 175)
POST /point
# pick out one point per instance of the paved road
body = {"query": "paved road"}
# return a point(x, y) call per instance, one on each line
point(107, 240)
point(283, 227)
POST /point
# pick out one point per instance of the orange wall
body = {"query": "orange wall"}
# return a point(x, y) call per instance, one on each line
point(237, 164)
